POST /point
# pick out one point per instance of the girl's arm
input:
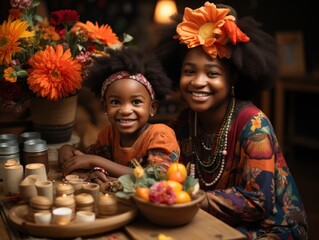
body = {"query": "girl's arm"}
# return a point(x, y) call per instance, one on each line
point(89, 161)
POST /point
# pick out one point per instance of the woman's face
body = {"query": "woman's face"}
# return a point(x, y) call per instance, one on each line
point(205, 83)
point(128, 106)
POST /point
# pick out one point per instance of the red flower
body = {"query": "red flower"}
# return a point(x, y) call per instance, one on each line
point(12, 91)
point(64, 17)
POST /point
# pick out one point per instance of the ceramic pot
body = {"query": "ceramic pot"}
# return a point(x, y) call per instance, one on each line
point(54, 120)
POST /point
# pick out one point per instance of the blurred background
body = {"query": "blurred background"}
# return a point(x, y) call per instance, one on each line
point(291, 104)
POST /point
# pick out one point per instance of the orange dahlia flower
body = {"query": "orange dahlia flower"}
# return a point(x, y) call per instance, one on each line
point(54, 74)
point(101, 34)
point(210, 27)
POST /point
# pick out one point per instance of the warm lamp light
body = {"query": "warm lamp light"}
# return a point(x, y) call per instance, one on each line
point(164, 9)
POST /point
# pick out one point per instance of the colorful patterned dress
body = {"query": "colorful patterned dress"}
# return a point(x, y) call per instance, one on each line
point(156, 144)
point(256, 192)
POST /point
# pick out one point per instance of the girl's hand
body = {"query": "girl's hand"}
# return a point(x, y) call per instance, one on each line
point(98, 175)
point(65, 153)
point(78, 161)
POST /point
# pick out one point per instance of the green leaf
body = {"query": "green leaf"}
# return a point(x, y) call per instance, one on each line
point(124, 195)
point(127, 182)
point(127, 38)
point(189, 183)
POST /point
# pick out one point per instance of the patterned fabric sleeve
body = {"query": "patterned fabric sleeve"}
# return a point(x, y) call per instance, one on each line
point(266, 194)
point(254, 197)
point(103, 150)
point(163, 147)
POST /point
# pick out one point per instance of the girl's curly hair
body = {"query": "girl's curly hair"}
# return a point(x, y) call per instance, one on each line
point(133, 61)
point(255, 62)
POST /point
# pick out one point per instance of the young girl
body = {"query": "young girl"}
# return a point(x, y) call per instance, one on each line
point(226, 141)
point(130, 85)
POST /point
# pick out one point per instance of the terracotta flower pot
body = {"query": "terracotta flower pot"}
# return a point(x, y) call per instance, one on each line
point(54, 119)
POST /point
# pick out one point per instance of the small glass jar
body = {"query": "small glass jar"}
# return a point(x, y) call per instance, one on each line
point(8, 151)
point(25, 137)
point(8, 138)
point(36, 151)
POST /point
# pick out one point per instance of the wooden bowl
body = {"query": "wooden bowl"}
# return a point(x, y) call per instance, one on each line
point(169, 215)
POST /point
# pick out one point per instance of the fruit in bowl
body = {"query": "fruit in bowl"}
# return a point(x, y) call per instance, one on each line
point(170, 215)
point(165, 197)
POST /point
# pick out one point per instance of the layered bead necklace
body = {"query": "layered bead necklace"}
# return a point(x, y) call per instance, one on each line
point(214, 147)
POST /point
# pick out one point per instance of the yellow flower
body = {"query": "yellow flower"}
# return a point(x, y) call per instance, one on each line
point(210, 27)
point(9, 74)
point(255, 124)
point(162, 236)
point(54, 74)
point(138, 172)
point(10, 34)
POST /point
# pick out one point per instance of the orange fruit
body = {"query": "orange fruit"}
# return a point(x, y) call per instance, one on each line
point(175, 185)
point(143, 192)
point(182, 197)
point(176, 172)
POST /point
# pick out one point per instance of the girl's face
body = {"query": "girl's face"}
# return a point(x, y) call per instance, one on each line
point(205, 83)
point(128, 106)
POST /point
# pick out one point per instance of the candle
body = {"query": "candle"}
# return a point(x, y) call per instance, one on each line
point(93, 189)
point(64, 188)
point(107, 205)
point(84, 202)
point(65, 201)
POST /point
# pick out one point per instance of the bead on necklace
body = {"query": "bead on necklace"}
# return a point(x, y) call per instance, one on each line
point(219, 150)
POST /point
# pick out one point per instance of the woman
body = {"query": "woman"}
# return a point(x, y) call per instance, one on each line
point(226, 141)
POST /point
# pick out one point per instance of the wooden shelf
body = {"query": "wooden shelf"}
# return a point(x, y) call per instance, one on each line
point(289, 138)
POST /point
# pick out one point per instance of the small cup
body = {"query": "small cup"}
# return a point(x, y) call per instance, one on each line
point(77, 184)
point(62, 215)
point(42, 217)
point(71, 177)
point(85, 216)
point(45, 188)
point(93, 189)
point(36, 169)
point(13, 176)
point(27, 187)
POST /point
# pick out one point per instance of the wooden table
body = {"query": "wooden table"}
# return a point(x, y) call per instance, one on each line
point(203, 226)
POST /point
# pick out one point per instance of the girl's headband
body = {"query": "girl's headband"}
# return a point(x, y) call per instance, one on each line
point(125, 75)
point(210, 27)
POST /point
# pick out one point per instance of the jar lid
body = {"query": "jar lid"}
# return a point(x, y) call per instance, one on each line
point(41, 202)
point(29, 135)
point(9, 147)
point(8, 138)
point(35, 145)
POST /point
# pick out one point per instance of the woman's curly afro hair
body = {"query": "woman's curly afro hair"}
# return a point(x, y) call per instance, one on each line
point(133, 61)
point(255, 63)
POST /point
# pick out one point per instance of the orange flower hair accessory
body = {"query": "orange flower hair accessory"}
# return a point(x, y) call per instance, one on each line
point(210, 27)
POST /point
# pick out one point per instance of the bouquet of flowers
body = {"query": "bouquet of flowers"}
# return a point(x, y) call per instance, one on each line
point(47, 57)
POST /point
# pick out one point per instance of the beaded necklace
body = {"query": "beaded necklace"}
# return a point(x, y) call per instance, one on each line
point(216, 153)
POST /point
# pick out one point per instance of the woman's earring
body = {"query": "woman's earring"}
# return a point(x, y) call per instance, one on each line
point(232, 91)
point(105, 113)
point(151, 114)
